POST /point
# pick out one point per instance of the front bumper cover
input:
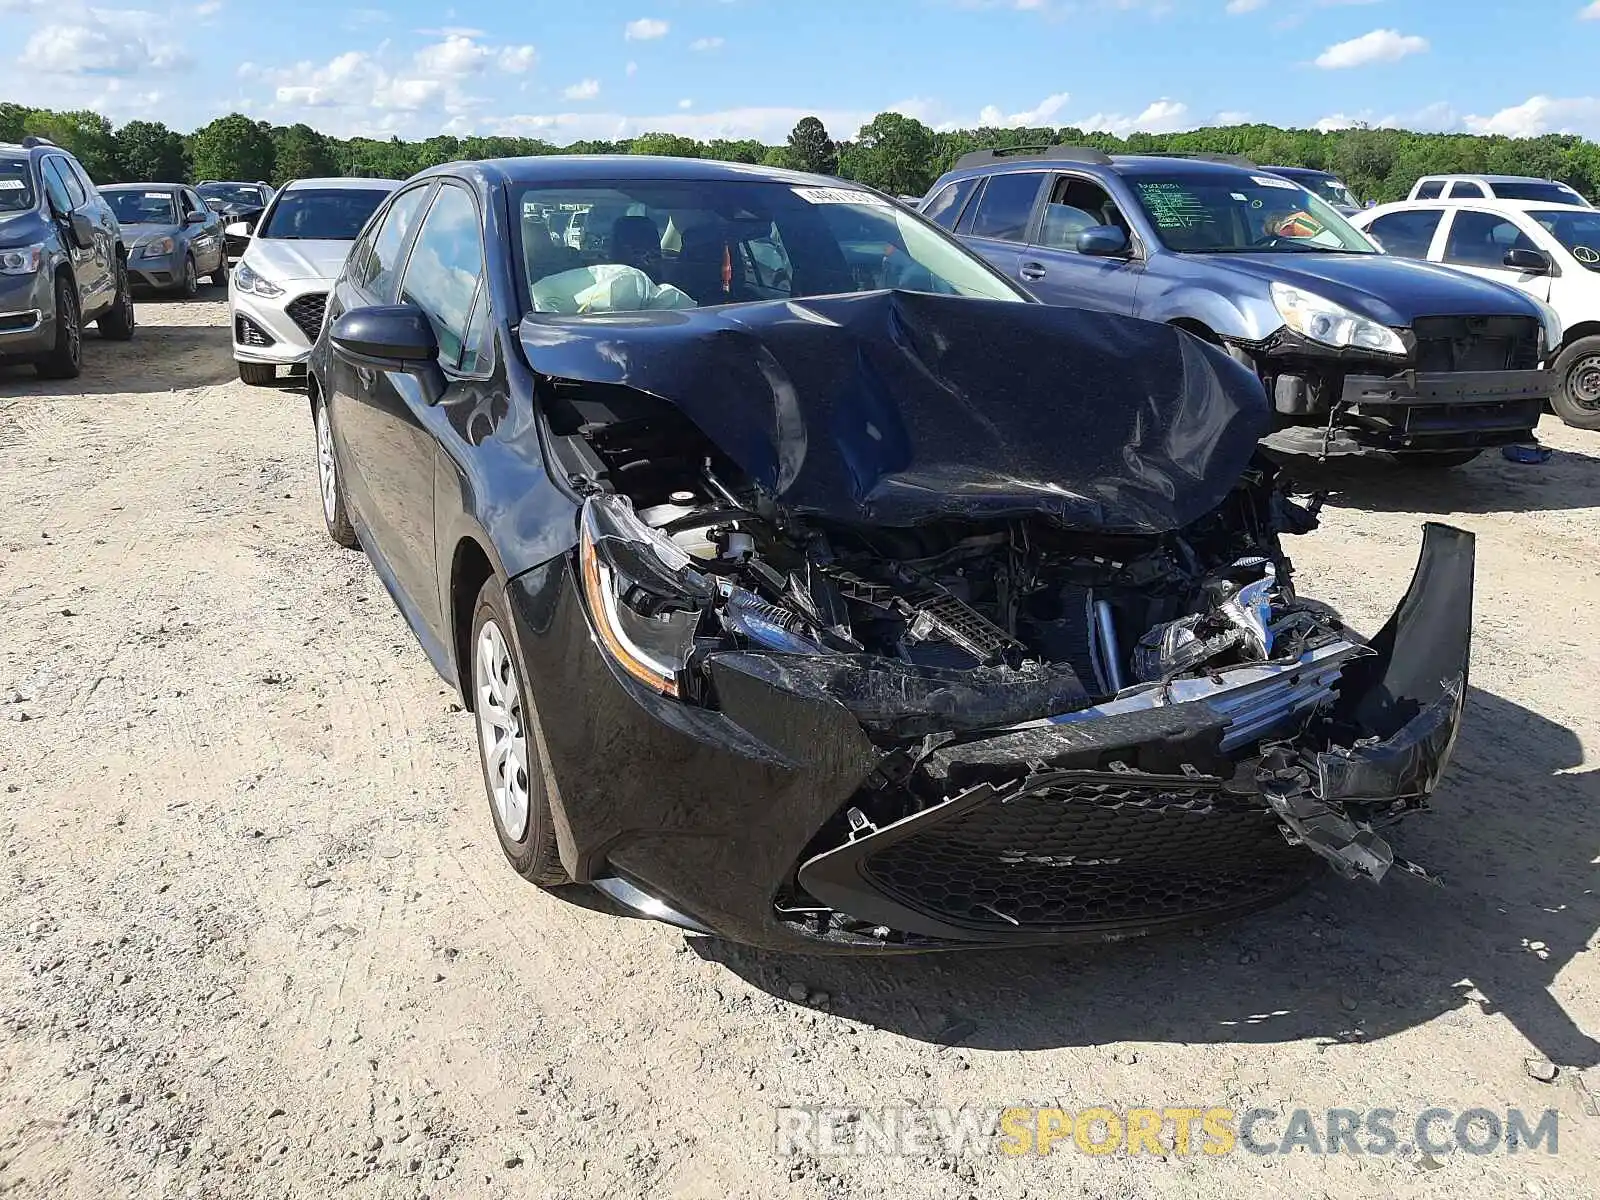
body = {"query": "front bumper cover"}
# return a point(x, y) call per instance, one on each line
point(1104, 828)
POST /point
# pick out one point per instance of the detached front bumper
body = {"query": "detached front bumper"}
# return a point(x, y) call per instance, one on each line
point(748, 821)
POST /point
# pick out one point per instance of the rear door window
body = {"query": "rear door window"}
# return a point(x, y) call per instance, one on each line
point(945, 209)
point(1006, 206)
point(375, 259)
point(1407, 234)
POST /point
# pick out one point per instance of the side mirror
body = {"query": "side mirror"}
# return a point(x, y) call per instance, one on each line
point(392, 337)
point(1103, 241)
point(196, 218)
point(237, 229)
point(1522, 259)
point(82, 231)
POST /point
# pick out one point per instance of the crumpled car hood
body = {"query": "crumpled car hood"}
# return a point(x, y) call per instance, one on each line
point(901, 408)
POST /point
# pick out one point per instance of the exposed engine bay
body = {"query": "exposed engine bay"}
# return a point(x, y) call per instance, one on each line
point(1084, 693)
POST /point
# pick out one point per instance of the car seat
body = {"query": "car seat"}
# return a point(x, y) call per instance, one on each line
point(636, 242)
point(705, 267)
point(541, 254)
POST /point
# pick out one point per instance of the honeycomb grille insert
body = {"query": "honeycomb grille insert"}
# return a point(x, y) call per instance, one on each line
point(306, 312)
point(1088, 852)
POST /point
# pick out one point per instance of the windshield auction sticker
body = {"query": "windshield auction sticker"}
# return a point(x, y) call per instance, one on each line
point(825, 195)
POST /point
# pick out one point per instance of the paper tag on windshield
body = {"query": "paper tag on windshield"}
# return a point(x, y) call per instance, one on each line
point(155, 195)
point(11, 185)
point(825, 195)
point(1269, 181)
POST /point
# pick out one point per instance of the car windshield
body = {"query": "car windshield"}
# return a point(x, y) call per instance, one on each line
point(230, 193)
point(646, 244)
point(142, 208)
point(16, 187)
point(1579, 232)
point(1237, 213)
point(1549, 193)
point(322, 214)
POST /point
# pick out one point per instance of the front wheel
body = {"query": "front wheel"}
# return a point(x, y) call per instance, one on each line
point(508, 749)
point(258, 374)
point(65, 360)
point(116, 325)
point(334, 513)
point(189, 286)
point(1441, 461)
point(1577, 395)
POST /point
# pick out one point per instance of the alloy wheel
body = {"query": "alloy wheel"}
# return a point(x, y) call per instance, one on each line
point(74, 329)
point(1583, 382)
point(327, 466)
point(505, 743)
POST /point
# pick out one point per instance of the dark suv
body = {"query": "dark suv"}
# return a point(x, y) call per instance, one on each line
point(62, 260)
point(1359, 351)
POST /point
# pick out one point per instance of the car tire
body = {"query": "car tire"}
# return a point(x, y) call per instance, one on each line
point(258, 374)
point(219, 277)
point(1441, 460)
point(116, 324)
point(65, 359)
point(1577, 396)
point(189, 286)
point(509, 745)
point(330, 484)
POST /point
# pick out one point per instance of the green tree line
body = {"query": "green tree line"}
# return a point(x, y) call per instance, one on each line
point(893, 152)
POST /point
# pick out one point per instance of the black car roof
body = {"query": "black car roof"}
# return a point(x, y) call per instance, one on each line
point(605, 168)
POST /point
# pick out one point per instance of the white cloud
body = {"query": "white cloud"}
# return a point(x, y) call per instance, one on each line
point(1236, 7)
point(701, 45)
point(1542, 114)
point(1381, 45)
point(1040, 114)
point(1438, 117)
point(685, 104)
point(103, 42)
point(586, 89)
point(518, 59)
point(771, 125)
point(1160, 116)
point(458, 54)
point(645, 29)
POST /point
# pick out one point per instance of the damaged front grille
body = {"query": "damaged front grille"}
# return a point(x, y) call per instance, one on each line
point(1091, 849)
point(1476, 343)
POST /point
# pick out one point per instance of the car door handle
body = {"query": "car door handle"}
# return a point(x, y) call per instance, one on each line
point(1032, 271)
point(367, 376)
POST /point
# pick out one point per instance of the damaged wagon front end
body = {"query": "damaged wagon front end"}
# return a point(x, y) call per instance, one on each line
point(887, 629)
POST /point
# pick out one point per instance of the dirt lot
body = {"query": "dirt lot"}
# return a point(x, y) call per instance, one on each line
point(256, 938)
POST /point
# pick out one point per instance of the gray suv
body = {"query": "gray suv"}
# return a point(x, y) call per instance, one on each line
point(1358, 350)
point(62, 260)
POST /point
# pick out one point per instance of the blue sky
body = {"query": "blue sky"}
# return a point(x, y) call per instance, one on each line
point(564, 69)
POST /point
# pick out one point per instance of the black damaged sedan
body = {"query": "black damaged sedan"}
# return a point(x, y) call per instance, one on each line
point(812, 587)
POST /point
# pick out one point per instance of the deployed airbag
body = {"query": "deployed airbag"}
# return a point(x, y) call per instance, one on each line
point(902, 408)
point(608, 287)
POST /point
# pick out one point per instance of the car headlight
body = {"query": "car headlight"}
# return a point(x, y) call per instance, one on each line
point(21, 260)
point(644, 595)
point(247, 280)
point(1332, 324)
point(1550, 325)
point(155, 248)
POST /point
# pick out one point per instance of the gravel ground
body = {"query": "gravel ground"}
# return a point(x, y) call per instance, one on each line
point(256, 938)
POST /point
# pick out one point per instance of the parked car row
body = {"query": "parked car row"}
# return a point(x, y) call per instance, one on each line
point(1359, 351)
point(72, 253)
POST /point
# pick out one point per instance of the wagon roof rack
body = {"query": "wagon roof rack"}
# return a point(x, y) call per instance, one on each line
point(984, 158)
